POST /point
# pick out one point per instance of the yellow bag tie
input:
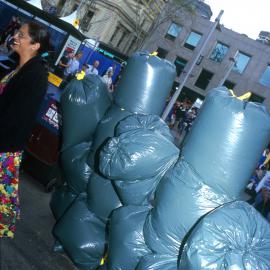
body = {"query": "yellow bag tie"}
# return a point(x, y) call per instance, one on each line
point(103, 260)
point(80, 75)
point(243, 97)
point(154, 54)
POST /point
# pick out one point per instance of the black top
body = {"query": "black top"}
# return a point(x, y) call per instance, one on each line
point(59, 70)
point(20, 103)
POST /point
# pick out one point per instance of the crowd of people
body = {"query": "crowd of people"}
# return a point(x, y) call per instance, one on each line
point(69, 66)
point(182, 116)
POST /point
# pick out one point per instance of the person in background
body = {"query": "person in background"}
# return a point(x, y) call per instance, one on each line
point(118, 77)
point(63, 64)
point(179, 113)
point(263, 163)
point(73, 66)
point(262, 199)
point(22, 93)
point(186, 116)
point(92, 69)
point(107, 78)
point(264, 159)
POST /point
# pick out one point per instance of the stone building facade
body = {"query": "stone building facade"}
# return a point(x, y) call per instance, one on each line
point(180, 40)
point(121, 24)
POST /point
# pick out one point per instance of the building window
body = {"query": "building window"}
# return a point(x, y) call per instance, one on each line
point(265, 79)
point(204, 79)
point(219, 52)
point(192, 40)
point(114, 33)
point(132, 44)
point(241, 62)
point(180, 64)
point(173, 31)
point(85, 23)
point(256, 98)
point(161, 52)
point(229, 84)
point(124, 35)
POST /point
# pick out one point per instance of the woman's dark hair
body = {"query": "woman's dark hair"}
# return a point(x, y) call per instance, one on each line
point(40, 35)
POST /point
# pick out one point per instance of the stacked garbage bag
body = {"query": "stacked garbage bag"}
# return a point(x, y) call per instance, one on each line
point(138, 203)
point(82, 206)
point(81, 100)
point(201, 188)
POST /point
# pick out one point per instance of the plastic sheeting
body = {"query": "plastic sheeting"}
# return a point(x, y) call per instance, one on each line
point(137, 160)
point(181, 199)
point(82, 234)
point(105, 130)
point(76, 171)
point(158, 262)
point(126, 241)
point(234, 236)
point(141, 121)
point(83, 104)
point(101, 198)
point(225, 145)
point(145, 84)
point(61, 199)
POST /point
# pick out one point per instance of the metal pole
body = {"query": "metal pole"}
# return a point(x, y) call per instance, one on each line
point(233, 61)
point(93, 49)
point(193, 63)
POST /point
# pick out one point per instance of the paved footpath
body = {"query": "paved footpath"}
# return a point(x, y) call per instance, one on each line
point(31, 249)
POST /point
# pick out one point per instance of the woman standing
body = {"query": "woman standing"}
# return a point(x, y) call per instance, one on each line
point(21, 93)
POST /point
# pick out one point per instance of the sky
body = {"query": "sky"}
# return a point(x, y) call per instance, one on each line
point(243, 16)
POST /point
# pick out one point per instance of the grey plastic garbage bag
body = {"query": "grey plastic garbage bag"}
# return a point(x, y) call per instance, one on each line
point(145, 84)
point(75, 170)
point(102, 198)
point(137, 192)
point(158, 262)
point(61, 199)
point(227, 140)
point(105, 130)
point(126, 241)
point(181, 199)
point(83, 104)
point(82, 235)
point(103, 267)
point(234, 236)
point(137, 154)
point(141, 121)
point(137, 160)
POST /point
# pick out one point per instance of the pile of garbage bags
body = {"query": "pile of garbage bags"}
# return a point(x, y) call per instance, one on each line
point(133, 201)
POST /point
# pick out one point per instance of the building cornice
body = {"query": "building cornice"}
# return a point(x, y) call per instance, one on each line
point(118, 9)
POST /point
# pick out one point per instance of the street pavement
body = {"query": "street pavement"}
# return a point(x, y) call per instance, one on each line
point(31, 249)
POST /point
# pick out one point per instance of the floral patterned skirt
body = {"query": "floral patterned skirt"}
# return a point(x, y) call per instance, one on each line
point(9, 201)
